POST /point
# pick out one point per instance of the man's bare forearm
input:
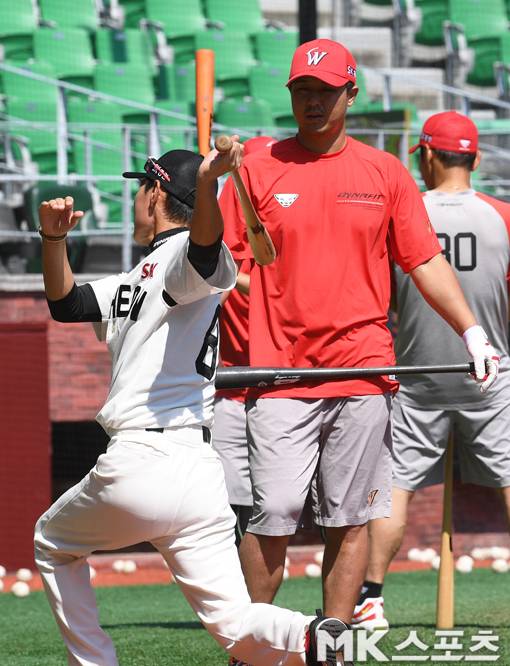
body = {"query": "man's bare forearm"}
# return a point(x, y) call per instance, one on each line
point(57, 273)
point(439, 286)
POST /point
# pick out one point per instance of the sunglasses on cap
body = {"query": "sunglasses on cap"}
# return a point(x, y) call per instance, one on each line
point(152, 168)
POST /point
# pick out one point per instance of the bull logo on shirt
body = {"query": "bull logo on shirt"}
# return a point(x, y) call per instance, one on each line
point(286, 200)
point(314, 56)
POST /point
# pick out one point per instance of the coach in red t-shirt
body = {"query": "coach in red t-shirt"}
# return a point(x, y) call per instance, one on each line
point(336, 210)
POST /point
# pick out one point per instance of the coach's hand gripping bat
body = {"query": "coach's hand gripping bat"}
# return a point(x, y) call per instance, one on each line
point(260, 241)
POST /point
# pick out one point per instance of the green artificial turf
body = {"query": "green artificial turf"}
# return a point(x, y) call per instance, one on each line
point(153, 625)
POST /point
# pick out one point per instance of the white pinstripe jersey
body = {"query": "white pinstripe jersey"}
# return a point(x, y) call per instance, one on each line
point(474, 232)
point(160, 322)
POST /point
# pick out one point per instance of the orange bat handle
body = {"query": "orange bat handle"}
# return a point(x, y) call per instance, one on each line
point(204, 98)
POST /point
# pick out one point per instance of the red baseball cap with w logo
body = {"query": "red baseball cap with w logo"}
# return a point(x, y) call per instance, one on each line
point(451, 131)
point(323, 59)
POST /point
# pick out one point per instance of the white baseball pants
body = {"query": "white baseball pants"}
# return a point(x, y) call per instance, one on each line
point(167, 488)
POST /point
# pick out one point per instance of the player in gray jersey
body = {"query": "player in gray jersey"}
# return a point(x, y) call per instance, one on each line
point(160, 480)
point(474, 230)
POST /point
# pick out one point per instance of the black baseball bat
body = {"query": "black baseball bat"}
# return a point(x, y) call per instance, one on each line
point(236, 377)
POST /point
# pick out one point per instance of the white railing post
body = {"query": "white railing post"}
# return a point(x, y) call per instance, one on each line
point(387, 92)
point(61, 136)
point(126, 203)
point(154, 144)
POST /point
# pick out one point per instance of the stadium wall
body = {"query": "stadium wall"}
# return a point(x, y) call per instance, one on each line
point(78, 376)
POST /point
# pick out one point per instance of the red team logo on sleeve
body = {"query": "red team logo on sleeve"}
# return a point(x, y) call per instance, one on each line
point(148, 270)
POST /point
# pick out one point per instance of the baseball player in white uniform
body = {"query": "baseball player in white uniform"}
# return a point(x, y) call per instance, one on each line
point(160, 480)
point(474, 230)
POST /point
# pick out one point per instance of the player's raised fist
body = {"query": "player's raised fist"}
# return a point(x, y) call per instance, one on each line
point(58, 217)
point(226, 157)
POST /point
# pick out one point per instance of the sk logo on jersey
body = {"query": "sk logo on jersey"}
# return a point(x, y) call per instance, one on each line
point(285, 200)
point(148, 270)
point(314, 57)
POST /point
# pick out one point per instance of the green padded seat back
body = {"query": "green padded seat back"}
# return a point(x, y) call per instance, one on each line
point(268, 83)
point(126, 81)
point(249, 113)
point(17, 24)
point(485, 18)
point(245, 16)
point(125, 47)
point(70, 13)
point(69, 50)
point(22, 87)
point(177, 82)
point(181, 19)
point(276, 47)
point(433, 14)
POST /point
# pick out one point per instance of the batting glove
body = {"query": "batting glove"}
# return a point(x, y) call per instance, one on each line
point(484, 355)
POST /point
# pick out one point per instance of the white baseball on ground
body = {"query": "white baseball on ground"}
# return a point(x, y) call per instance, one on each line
point(464, 564)
point(428, 555)
point(287, 562)
point(319, 556)
point(313, 570)
point(436, 562)
point(20, 589)
point(1, 584)
point(414, 555)
point(129, 566)
point(92, 571)
point(24, 575)
point(478, 553)
point(500, 553)
point(3, 571)
point(500, 566)
point(118, 566)
point(286, 574)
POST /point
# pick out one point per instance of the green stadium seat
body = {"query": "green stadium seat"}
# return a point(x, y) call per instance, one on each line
point(276, 47)
point(17, 25)
point(245, 16)
point(106, 150)
point(434, 13)
point(125, 47)
point(66, 14)
point(486, 29)
point(268, 83)
point(69, 51)
point(129, 82)
point(134, 12)
point(233, 59)
point(22, 87)
point(180, 19)
point(249, 113)
point(176, 82)
point(46, 190)
point(41, 139)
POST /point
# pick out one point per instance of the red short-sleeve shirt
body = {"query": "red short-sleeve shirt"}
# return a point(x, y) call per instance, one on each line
point(335, 219)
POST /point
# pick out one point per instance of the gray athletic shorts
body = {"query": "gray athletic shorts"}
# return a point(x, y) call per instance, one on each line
point(342, 445)
point(482, 438)
point(229, 440)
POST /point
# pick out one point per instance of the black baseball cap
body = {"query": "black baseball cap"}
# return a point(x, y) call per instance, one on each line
point(176, 170)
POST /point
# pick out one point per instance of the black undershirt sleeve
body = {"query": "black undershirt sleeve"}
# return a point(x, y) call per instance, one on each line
point(80, 304)
point(204, 258)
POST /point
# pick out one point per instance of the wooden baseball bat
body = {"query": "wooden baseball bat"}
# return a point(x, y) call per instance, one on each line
point(260, 241)
point(204, 88)
point(445, 582)
point(245, 377)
